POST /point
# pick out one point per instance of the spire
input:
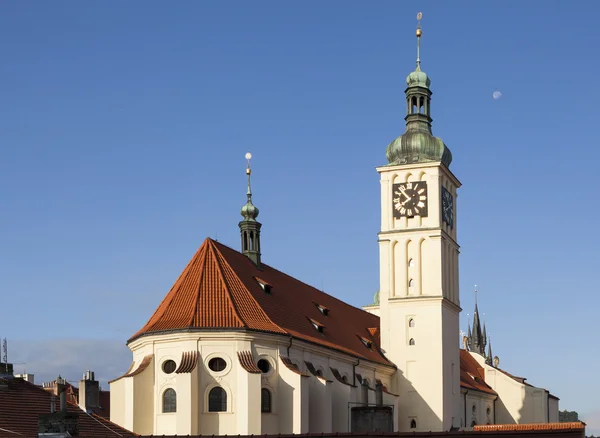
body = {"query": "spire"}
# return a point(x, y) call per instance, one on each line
point(477, 338)
point(417, 144)
point(249, 226)
point(419, 33)
point(489, 358)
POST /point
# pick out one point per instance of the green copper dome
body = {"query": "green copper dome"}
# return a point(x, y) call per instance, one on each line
point(249, 211)
point(418, 78)
point(417, 146)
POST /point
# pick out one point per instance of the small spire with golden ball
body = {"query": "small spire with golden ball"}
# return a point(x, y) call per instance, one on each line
point(419, 33)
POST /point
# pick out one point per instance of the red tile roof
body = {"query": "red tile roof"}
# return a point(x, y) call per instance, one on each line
point(472, 375)
point(531, 426)
point(219, 289)
point(145, 363)
point(247, 362)
point(21, 404)
point(188, 362)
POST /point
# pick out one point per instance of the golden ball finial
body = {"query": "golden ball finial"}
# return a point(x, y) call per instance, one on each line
point(248, 171)
point(419, 33)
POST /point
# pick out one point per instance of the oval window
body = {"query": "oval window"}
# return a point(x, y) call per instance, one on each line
point(169, 366)
point(264, 365)
point(217, 364)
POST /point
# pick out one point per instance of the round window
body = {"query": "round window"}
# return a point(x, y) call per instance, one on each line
point(217, 364)
point(264, 365)
point(169, 366)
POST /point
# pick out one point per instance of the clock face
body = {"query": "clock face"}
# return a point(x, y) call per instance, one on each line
point(447, 207)
point(410, 199)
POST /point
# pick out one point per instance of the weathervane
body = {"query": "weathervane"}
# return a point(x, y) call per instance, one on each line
point(249, 172)
point(419, 33)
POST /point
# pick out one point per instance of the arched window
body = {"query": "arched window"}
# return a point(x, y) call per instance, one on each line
point(413, 424)
point(217, 400)
point(169, 401)
point(411, 322)
point(411, 342)
point(411, 283)
point(265, 400)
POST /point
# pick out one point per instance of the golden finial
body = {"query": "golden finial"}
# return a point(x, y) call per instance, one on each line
point(248, 157)
point(419, 33)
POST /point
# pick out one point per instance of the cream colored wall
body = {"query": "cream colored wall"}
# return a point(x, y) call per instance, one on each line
point(299, 404)
point(320, 405)
point(143, 407)
point(248, 397)
point(117, 402)
point(517, 403)
point(293, 396)
point(479, 408)
point(426, 291)
point(372, 309)
point(553, 410)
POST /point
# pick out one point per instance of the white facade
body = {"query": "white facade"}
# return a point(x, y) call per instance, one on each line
point(419, 300)
point(301, 402)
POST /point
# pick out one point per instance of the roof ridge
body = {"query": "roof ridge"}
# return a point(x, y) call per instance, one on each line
point(197, 296)
point(215, 253)
point(256, 306)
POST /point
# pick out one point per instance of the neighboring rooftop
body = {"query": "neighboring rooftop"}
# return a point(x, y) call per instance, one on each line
point(22, 403)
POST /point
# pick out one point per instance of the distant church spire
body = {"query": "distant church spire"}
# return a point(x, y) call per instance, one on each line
point(477, 338)
point(249, 226)
point(417, 144)
point(489, 357)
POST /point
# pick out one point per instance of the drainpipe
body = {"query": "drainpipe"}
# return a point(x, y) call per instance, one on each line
point(495, 400)
point(289, 346)
point(466, 392)
point(354, 371)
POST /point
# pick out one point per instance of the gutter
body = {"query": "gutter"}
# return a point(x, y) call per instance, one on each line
point(466, 392)
point(289, 346)
point(354, 371)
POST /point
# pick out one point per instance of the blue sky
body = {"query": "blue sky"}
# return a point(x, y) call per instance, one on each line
point(123, 129)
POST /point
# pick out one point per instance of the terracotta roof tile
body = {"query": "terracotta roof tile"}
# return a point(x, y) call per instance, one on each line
point(189, 360)
point(143, 365)
point(531, 426)
point(471, 374)
point(292, 366)
point(338, 377)
point(21, 404)
point(247, 362)
point(219, 289)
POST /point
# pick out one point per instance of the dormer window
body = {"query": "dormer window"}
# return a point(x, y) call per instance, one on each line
point(264, 286)
point(324, 310)
point(317, 325)
point(366, 342)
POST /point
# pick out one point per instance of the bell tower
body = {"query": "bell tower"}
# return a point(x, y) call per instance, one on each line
point(418, 252)
point(249, 226)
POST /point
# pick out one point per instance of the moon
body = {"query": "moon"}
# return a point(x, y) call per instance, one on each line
point(496, 95)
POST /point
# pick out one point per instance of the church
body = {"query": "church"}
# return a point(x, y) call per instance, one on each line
point(239, 347)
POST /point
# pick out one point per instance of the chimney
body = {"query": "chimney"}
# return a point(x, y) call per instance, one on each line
point(379, 394)
point(364, 389)
point(6, 369)
point(61, 423)
point(89, 392)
